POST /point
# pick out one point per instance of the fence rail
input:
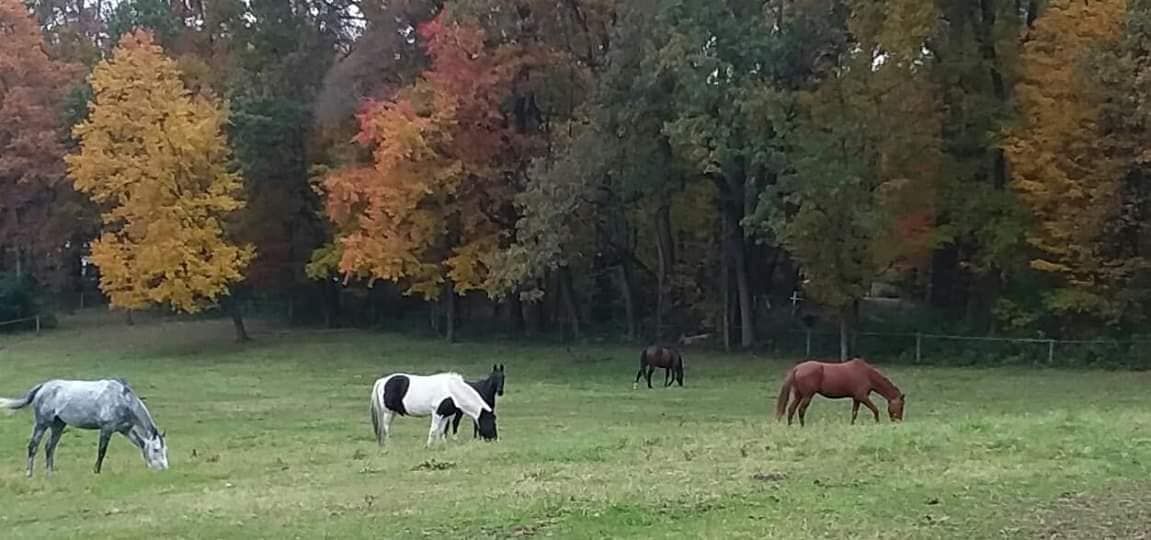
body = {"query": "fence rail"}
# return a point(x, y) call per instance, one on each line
point(921, 346)
point(35, 319)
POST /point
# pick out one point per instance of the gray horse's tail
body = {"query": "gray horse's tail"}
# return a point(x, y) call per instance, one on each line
point(20, 403)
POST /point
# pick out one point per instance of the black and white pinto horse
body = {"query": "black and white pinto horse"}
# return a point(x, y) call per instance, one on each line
point(488, 388)
point(438, 396)
point(107, 405)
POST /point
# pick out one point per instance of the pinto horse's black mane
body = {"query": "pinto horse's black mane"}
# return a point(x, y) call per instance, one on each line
point(488, 388)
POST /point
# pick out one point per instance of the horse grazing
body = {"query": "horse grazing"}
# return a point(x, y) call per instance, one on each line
point(438, 396)
point(107, 405)
point(488, 388)
point(855, 379)
point(660, 357)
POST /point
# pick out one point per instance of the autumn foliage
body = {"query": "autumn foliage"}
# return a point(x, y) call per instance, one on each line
point(155, 158)
point(1062, 163)
point(32, 90)
point(434, 202)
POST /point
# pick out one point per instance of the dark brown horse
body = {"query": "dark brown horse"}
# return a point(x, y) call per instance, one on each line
point(660, 357)
point(855, 379)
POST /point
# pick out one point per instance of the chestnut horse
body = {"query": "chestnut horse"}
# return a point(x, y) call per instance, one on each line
point(855, 379)
point(660, 357)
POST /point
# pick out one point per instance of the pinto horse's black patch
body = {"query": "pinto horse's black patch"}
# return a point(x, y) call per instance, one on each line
point(394, 391)
point(447, 408)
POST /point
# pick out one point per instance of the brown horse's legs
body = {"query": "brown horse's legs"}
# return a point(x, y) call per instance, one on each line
point(650, 370)
point(854, 410)
point(794, 405)
point(803, 409)
point(638, 375)
point(867, 401)
point(667, 378)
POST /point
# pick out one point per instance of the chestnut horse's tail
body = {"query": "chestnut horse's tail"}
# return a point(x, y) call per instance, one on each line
point(784, 394)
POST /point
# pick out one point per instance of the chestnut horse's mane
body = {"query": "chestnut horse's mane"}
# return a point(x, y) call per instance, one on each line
point(883, 385)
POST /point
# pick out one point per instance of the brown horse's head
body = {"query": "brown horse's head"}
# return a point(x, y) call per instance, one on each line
point(895, 408)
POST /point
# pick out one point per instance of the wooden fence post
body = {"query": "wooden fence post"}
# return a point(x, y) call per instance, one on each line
point(918, 347)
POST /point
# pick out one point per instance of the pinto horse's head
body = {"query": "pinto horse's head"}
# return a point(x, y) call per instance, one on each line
point(895, 408)
point(498, 378)
point(487, 426)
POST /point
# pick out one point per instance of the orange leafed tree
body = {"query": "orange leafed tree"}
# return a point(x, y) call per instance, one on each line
point(437, 197)
point(32, 90)
point(155, 158)
point(1062, 162)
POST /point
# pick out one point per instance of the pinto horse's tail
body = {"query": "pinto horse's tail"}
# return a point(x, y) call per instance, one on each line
point(376, 417)
point(784, 394)
point(20, 403)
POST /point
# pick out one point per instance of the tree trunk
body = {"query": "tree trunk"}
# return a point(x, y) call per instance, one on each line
point(625, 287)
point(843, 335)
point(516, 312)
point(725, 291)
point(569, 302)
point(238, 322)
point(735, 246)
point(449, 312)
point(666, 254)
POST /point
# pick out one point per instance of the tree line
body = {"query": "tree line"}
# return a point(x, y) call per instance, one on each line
point(663, 167)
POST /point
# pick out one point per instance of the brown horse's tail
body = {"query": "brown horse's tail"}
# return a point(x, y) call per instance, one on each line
point(784, 394)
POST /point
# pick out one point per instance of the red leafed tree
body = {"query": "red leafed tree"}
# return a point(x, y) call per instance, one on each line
point(32, 135)
point(437, 198)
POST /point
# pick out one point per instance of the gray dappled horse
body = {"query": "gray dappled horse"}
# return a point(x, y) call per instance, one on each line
point(107, 405)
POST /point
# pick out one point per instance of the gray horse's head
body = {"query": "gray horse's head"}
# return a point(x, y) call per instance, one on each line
point(155, 451)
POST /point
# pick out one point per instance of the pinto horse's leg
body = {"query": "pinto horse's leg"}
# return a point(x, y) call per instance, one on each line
point(867, 401)
point(385, 425)
point(34, 443)
point(437, 429)
point(456, 424)
point(854, 410)
point(105, 436)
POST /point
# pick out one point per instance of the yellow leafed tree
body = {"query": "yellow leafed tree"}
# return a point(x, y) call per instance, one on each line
point(155, 158)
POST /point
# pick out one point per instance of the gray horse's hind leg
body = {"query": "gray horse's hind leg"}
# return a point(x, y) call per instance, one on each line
point(50, 448)
point(105, 436)
point(34, 443)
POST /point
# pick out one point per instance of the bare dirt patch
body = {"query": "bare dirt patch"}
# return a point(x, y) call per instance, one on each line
point(1118, 513)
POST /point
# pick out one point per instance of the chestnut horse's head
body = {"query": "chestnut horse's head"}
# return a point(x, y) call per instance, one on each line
point(895, 408)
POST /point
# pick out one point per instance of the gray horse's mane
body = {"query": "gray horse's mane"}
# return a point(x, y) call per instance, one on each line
point(139, 410)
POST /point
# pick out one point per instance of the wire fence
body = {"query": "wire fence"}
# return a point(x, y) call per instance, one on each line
point(34, 320)
point(928, 348)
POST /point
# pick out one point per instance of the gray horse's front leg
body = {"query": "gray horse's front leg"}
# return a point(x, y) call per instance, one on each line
point(34, 443)
point(105, 436)
point(50, 448)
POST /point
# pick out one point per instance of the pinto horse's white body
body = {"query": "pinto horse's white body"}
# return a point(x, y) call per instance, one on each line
point(438, 396)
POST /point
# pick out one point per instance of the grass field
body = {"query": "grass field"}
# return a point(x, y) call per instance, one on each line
point(272, 440)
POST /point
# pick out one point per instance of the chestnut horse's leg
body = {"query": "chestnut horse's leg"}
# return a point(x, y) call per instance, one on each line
point(867, 401)
point(794, 405)
point(803, 409)
point(854, 410)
